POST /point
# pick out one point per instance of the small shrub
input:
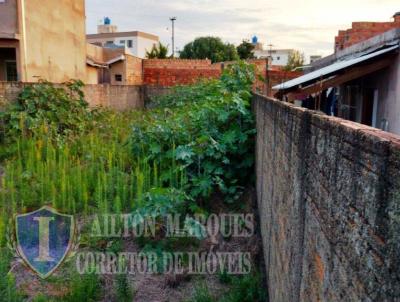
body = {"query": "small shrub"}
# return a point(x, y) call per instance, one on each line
point(224, 277)
point(84, 288)
point(202, 137)
point(202, 294)
point(42, 298)
point(124, 292)
point(8, 291)
point(247, 288)
point(61, 110)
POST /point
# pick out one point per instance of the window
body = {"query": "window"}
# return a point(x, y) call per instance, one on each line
point(118, 77)
point(278, 58)
point(122, 42)
point(130, 43)
point(11, 71)
point(109, 42)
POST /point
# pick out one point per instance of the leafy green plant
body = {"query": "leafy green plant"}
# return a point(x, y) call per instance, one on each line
point(84, 288)
point(224, 277)
point(247, 288)
point(8, 290)
point(42, 298)
point(62, 110)
point(202, 294)
point(202, 137)
point(124, 292)
point(159, 51)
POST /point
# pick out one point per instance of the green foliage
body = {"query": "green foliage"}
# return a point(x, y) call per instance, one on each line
point(196, 141)
point(8, 291)
point(224, 277)
point(247, 288)
point(62, 110)
point(202, 294)
point(84, 288)
point(209, 48)
point(245, 50)
point(202, 137)
point(124, 292)
point(159, 51)
point(296, 59)
point(42, 298)
point(159, 202)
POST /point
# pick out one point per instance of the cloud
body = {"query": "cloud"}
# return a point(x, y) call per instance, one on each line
point(308, 25)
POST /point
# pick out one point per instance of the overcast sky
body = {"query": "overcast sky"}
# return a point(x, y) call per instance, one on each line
point(307, 25)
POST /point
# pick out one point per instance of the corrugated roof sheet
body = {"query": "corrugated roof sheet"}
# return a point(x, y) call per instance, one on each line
point(331, 69)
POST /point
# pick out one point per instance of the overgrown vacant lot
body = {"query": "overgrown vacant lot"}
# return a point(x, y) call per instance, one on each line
point(191, 153)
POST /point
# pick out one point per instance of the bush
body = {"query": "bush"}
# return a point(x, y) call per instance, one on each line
point(84, 288)
point(124, 292)
point(247, 288)
point(61, 110)
point(8, 291)
point(202, 136)
point(202, 294)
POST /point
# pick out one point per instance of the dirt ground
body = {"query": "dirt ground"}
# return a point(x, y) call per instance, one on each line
point(154, 287)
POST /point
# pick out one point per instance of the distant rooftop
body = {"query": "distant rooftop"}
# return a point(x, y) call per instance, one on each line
point(123, 34)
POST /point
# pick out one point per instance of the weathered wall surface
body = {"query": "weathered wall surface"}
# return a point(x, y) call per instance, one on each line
point(134, 70)
point(118, 97)
point(114, 96)
point(52, 31)
point(328, 192)
point(9, 19)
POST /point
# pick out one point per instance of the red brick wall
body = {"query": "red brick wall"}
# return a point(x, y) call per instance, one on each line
point(361, 31)
point(182, 72)
point(178, 72)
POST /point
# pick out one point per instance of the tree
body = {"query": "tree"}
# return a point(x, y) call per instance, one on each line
point(159, 51)
point(209, 48)
point(296, 59)
point(245, 50)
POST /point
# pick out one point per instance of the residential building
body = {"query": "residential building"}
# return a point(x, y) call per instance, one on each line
point(36, 40)
point(135, 42)
point(112, 66)
point(360, 82)
point(278, 57)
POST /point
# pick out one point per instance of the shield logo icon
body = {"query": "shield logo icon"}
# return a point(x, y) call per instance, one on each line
point(44, 238)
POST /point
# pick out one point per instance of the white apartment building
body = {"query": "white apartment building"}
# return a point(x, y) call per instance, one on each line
point(280, 57)
point(136, 42)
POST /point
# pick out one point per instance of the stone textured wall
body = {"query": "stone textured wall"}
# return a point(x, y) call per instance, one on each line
point(328, 193)
point(115, 96)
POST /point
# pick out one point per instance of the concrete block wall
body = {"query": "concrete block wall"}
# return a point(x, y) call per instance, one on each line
point(119, 97)
point(328, 193)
